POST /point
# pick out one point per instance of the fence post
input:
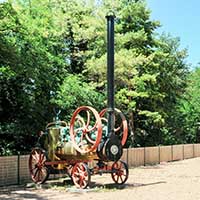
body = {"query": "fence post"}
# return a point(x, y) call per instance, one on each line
point(193, 151)
point(127, 156)
point(172, 152)
point(159, 154)
point(18, 168)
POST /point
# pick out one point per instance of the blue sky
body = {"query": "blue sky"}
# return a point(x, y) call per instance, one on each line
point(180, 18)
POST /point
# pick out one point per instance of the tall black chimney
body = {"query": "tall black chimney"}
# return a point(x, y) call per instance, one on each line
point(111, 148)
point(110, 73)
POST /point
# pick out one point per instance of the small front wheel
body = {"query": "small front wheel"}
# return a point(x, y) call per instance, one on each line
point(81, 175)
point(119, 172)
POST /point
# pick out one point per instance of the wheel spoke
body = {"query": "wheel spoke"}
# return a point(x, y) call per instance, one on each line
point(117, 178)
point(37, 156)
point(39, 175)
point(42, 158)
point(34, 157)
point(81, 181)
point(79, 168)
point(76, 173)
point(121, 178)
point(32, 169)
point(84, 183)
point(44, 172)
point(36, 172)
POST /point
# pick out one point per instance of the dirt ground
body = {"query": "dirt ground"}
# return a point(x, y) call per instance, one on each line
point(168, 181)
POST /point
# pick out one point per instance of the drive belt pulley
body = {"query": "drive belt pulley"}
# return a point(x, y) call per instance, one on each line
point(113, 148)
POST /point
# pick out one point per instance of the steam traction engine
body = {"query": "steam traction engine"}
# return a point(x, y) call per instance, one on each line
point(90, 136)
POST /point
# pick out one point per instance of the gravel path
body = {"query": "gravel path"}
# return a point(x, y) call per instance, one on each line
point(168, 181)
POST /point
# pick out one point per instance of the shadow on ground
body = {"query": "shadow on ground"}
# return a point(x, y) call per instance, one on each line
point(18, 193)
point(112, 186)
point(31, 191)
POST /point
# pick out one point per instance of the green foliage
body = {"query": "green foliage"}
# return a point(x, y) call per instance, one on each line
point(31, 66)
point(188, 109)
point(53, 54)
point(75, 92)
point(13, 139)
point(149, 71)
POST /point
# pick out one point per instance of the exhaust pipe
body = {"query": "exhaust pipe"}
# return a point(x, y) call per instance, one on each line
point(111, 149)
point(110, 74)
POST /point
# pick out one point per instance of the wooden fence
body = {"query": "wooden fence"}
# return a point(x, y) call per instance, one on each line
point(155, 155)
point(14, 169)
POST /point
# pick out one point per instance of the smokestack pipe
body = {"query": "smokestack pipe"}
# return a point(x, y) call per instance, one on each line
point(110, 73)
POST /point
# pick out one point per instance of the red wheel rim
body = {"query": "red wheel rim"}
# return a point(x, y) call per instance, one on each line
point(84, 122)
point(38, 170)
point(81, 175)
point(119, 172)
point(123, 125)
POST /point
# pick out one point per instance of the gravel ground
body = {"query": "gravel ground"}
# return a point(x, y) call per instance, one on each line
point(168, 181)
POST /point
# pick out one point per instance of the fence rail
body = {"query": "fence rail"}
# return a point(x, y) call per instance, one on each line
point(14, 169)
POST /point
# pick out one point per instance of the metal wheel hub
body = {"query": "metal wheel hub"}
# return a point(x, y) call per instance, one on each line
point(113, 148)
point(39, 165)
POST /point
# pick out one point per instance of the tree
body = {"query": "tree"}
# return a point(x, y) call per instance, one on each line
point(41, 43)
point(32, 66)
point(146, 90)
point(188, 109)
point(75, 92)
point(53, 53)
